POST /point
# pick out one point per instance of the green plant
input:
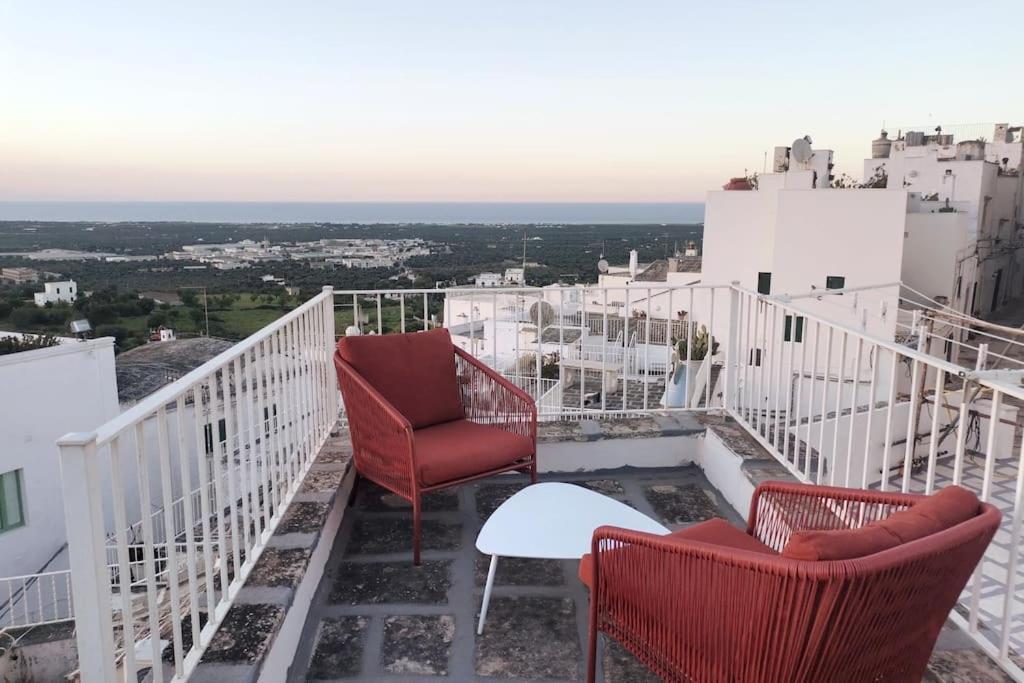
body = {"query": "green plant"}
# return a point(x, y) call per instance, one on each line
point(702, 341)
point(26, 343)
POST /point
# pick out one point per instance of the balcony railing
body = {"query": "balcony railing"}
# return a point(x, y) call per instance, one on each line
point(239, 434)
point(834, 402)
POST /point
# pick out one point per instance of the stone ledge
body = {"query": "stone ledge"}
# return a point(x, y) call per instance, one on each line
point(245, 637)
point(653, 426)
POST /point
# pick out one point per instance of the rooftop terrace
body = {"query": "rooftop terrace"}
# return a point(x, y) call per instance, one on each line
point(251, 536)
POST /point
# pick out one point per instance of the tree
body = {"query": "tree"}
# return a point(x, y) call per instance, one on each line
point(188, 297)
point(26, 343)
point(5, 309)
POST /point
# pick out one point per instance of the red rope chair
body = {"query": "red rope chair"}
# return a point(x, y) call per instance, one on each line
point(437, 417)
point(696, 611)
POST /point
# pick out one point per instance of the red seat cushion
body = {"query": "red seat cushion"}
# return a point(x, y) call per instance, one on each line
point(714, 531)
point(454, 450)
point(944, 509)
point(415, 372)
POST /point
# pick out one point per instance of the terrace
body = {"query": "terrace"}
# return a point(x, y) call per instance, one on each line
point(243, 466)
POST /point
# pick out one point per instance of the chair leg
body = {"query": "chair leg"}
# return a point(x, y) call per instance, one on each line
point(592, 652)
point(416, 530)
point(533, 469)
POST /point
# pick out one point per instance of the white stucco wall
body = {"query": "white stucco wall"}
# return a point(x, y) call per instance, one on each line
point(48, 393)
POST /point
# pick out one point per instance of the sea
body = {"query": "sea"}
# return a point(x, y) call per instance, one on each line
point(494, 213)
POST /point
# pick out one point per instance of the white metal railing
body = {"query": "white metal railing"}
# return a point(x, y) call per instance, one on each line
point(35, 599)
point(240, 431)
point(837, 401)
point(839, 406)
point(579, 330)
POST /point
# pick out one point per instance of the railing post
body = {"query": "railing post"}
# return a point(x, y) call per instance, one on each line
point(90, 584)
point(329, 333)
point(732, 351)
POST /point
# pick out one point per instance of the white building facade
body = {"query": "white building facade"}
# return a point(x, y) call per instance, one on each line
point(65, 291)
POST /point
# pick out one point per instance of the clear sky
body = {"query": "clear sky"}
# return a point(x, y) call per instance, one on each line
point(476, 100)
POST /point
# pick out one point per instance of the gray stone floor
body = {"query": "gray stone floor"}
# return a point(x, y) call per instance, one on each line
point(378, 618)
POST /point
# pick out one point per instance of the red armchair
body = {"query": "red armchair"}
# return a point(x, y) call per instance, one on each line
point(424, 415)
point(712, 603)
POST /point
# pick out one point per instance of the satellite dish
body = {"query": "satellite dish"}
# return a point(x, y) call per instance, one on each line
point(602, 266)
point(801, 150)
point(542, 314)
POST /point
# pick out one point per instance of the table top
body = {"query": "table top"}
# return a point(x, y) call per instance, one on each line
point(554, 520)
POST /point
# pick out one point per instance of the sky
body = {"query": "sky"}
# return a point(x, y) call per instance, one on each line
point(484, 100)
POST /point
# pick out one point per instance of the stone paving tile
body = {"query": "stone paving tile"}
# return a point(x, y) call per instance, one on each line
point(520, 571)
point(373, 498)
point(375, 535)
point(321, 481)
point(490, 496)
point(417, 644)
point(245, 634)
point(279, 567)
point(339, 648)
point(964, 666)
point(681, 503)
point(620, 666)
point(529, 638)
point(303, 518)
point(607, 487)
point(374, 583)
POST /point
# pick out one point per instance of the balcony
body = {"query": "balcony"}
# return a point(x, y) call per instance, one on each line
point(242, 465)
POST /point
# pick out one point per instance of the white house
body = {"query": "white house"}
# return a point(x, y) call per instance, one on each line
point(488, 280)
point(965, 213)
point(48, 393)
point(55, 292)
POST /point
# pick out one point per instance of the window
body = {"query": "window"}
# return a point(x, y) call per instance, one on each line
point(12, 507)
point(764, 283)
point(790, 334)
point(959, 283)
point(222, 434)
point(755, 357)
point(835, 282)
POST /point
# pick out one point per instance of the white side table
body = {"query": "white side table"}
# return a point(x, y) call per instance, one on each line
point(553, 521)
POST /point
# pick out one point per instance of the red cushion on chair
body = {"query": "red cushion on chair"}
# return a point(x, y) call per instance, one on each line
point(944, 509)
point(839, 544)
point(415, 372)
point(714, 531)
point(459, 449)
point(939, 511)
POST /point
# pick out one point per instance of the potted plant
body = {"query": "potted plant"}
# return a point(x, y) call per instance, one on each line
point(702, 346)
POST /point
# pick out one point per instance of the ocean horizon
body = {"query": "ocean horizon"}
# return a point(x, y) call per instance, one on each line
point(357, 212)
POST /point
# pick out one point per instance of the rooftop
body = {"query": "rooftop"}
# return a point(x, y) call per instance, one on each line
point(376, 617)
point(147, 368)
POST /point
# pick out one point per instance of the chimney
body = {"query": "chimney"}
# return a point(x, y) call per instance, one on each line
point(634, 264)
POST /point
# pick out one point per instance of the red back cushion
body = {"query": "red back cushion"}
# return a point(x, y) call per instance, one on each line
point(939, 511)
point(944, 509)
point(838, 544)
point(415, 372)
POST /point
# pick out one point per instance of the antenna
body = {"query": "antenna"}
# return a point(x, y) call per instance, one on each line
point(524, 254)
point(801, 149)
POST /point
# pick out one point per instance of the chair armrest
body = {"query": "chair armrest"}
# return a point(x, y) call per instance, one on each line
point(778, 509)
point(381, 436)
point(490, 398)
point(686, 606)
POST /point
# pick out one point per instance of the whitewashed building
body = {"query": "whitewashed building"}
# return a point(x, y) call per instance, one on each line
point(47, 393)
point(65, 291)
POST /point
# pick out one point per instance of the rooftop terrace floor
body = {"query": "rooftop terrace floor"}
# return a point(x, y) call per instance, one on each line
point(376, 617)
